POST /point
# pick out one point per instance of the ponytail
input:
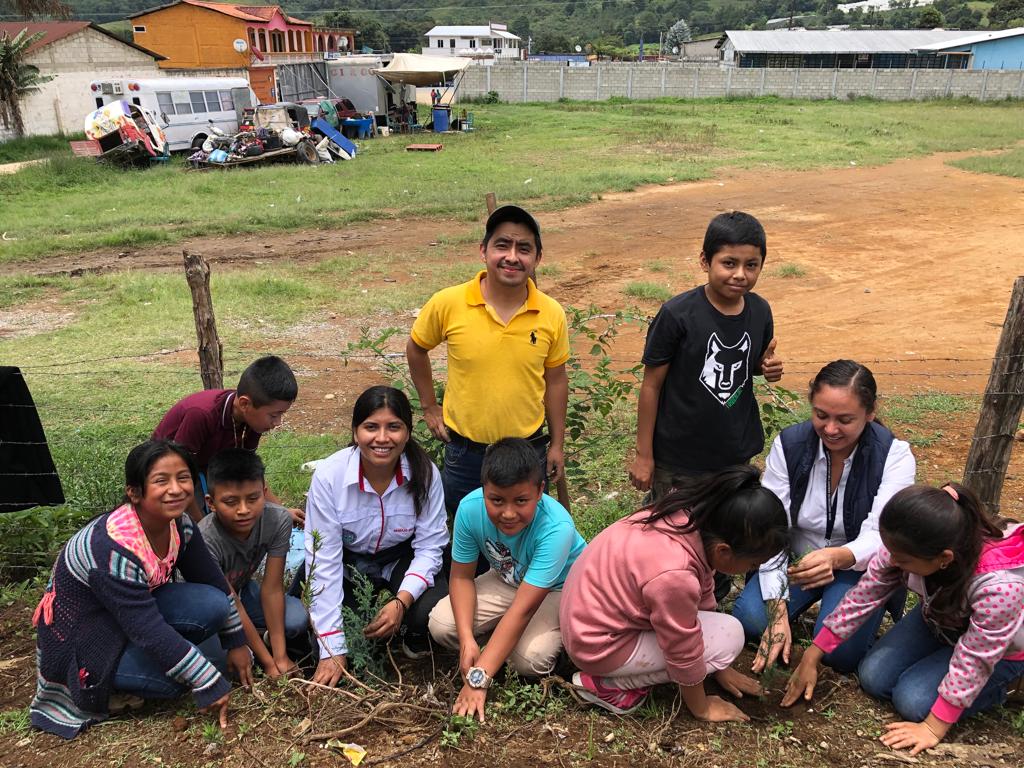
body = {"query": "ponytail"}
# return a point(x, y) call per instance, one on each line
point(923, 522)
point(729, 506)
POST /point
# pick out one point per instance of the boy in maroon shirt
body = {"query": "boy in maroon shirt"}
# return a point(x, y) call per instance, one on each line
point(210, 421)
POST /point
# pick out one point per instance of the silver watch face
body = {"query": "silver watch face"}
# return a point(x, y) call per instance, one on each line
point(476, 677)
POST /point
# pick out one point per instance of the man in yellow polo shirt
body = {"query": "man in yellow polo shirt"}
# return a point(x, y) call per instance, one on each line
point(507, 348)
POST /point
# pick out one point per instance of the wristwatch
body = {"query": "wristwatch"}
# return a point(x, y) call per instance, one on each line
point(477, 677)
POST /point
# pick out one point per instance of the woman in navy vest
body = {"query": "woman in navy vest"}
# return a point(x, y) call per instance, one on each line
point(833, 474)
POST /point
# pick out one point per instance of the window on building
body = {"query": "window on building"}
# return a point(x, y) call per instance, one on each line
point(277, 42)
point(451, 43)
point(485, 41)
point(139, 28)
point(440, 43)
point(198, 101)
point(166, 102)
point(472, 42)
point(182, 104)
point(497, 44)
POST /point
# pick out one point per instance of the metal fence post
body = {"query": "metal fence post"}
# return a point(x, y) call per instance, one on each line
point(629, 83)
point(597, 96)
point(696, 80)
point(913, 85)
point(874, 81)
point(984, 85)
point(835, 82)
point(796, 80)
point(664, 69)
point(561, 82)
point(764, 71)
point(526, 79)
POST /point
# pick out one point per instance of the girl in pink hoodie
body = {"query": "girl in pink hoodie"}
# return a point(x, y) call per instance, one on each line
point(960, 648)
point(638, 606)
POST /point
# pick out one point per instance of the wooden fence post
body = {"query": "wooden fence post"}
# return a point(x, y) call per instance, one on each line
point(492, 202)
point(989, 455)
point(211, 363)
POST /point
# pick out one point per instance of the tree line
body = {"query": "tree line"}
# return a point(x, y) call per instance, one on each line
point(597, 25)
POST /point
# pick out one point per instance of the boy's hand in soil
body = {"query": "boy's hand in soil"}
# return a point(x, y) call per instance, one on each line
point(777, 640)
point(719, 710)
point(804, 678)
point(471, 701)
point(738, 684)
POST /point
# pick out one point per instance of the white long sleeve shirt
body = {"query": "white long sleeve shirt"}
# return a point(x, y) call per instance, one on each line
point(349, 514)
point(809, 532)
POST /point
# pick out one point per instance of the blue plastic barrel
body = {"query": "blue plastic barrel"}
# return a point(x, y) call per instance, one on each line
point(442, 118)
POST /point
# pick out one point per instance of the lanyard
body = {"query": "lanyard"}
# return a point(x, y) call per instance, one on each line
point(831, 501)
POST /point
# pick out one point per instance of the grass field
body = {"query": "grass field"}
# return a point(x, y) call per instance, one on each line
point(1004, 164)
point(525, 152)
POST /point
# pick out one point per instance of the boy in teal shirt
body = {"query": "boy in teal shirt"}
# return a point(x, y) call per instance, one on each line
point(530, 542)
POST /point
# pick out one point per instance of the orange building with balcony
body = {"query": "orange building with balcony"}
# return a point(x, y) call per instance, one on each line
point(193, 34)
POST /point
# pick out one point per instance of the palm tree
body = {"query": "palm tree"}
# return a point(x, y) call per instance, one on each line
point(16, 77)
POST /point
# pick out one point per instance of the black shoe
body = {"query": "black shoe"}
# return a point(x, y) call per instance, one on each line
point(415, 646)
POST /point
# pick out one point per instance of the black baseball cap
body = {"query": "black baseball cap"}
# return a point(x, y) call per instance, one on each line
point(515, 215)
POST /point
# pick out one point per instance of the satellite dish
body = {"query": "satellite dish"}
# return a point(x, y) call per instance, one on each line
point(343, 44)
point(675, 49)
point(240, 45)
point(579, 48)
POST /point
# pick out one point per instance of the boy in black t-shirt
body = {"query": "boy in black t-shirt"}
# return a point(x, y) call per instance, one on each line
point(697, 412)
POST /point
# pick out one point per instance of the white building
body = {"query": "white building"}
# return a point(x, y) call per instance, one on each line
point(484, 43)
point(73, 53)
point(879, 5)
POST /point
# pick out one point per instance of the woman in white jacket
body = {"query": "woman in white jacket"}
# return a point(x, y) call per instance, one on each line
point(377, 507)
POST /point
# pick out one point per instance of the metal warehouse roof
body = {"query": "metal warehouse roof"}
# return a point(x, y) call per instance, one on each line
point(836, 40)
point(972, 39)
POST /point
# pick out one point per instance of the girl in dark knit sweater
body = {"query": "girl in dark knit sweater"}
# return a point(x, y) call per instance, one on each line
point(111, 619)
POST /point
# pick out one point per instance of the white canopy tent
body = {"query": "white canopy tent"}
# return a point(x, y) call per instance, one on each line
point(419, 70)
point(416, 69)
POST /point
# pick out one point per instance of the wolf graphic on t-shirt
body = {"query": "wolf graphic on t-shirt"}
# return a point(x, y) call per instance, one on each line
point(726, 369)
point(502, 561)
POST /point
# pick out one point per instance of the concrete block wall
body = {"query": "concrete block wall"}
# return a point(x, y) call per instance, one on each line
point(549, 81)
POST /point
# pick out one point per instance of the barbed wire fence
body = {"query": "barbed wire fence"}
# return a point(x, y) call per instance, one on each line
point(346, 372)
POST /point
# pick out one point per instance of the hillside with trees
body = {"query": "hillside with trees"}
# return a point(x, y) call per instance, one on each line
point(602, 25)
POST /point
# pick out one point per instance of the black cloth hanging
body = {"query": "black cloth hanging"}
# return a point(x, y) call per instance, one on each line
point(28, 477)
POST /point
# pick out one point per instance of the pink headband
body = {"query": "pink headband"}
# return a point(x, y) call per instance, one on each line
point(952, 492)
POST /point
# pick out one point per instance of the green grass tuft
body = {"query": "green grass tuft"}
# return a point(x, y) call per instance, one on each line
point(647, 291)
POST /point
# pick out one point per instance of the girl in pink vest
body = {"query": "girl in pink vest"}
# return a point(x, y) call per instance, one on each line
point(956, 653)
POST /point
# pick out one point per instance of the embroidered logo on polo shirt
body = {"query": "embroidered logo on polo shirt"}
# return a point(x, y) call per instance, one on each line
point(533, 337)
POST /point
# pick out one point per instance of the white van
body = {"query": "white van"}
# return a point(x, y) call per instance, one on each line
point(186, 105)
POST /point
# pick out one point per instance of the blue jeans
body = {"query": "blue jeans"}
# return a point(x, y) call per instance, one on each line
point(296, 620)
point(908, 663)
point(753, 615)
point(197, 612)
point(463, 461)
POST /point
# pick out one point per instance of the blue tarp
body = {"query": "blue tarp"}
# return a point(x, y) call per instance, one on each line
point(322, 126)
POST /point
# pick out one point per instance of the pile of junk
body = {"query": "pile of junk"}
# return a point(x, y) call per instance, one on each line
point(272, 132)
